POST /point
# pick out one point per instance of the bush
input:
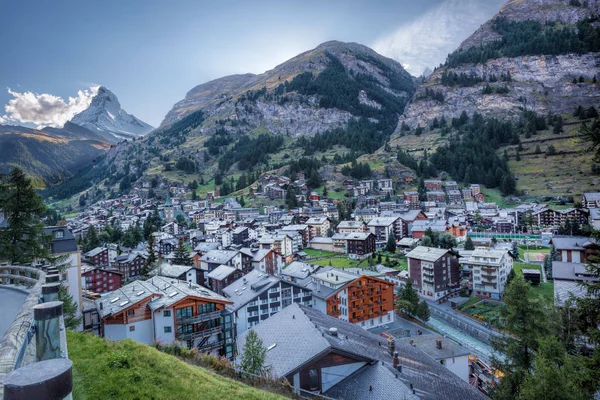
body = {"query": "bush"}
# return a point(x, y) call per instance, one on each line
point(119, 359)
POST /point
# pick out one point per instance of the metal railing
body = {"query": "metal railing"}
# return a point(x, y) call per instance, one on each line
point(194, 319)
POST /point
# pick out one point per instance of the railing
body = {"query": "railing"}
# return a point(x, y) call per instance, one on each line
point(211, 346)
point(199, 318)
point(199, 334)
point(335, 300)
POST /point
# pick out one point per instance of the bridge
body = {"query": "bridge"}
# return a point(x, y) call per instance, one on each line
point(34, 360)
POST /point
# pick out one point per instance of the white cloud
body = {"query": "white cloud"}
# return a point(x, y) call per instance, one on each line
point(46, 109)
point(3, 119)
point(427, 41)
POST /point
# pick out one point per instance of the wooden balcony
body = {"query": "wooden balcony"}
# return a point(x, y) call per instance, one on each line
point(199, 318)
point(200, 334)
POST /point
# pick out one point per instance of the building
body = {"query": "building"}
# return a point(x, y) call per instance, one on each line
point(98, 257)
point(318, 226)
point(383, 228)
point(351, 227)
point(258, 296)
point(568, 278)
point(445, 351)
point(591, 200)
point(239, 236)
point(185, 273)
point(385, 185)
point(433, 184)
point(63, 244)
point(411, 199)
point(575, 249)
point(316, 353)
point(131, 265)
point(360, 245)
point(434, 273)
point(360, 299)
point(490, 269)
point(98, 280)
point(222, 276)
point(168, 311)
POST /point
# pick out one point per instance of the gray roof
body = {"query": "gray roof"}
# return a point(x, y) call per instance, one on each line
point(357, 235)
point(65, 244)
point(206, 246)
point(306, 337)
point(128, 257)
point(171, 270)
point(570, 242)
point(299, 270)
point(219, 256)
point(321, 240)
point(430, 254)
point(221, 272)
point(350, 224)
point(564, 289)
point(570, 271)
point(95, 252)
point(166, 291)
point(427, 344)
point(382, 221)
point(248, 287)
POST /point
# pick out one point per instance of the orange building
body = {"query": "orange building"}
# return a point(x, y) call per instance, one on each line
point(359, 299)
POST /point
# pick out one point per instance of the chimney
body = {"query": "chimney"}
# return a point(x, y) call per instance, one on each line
point(333, 331)
point(391, 346)
point(438, 343)
point(396, 360)
point(101, 305)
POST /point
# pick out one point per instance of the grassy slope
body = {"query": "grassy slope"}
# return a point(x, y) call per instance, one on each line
point(151, 374)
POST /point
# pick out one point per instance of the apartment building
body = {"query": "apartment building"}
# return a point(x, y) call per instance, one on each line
point(98, 257)
point(100, 280)
point(434, 272)
point(257, 296)
point(360, 245)
point(490, 269)
point(359, 299)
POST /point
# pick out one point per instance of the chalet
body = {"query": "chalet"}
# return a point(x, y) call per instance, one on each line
point(98, 257)
point(185, 273)
point(264, 260)
point(591, 200)
point(342, 361)
point(168, 311)
point(131, 264)
point(360, 245)
point(434, 273)
point(575, 249)
point(222, 276)
point(568, 278)
point(99, 280)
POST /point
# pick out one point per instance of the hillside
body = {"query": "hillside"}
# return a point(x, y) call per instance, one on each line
point(50, 155)
point(537, 55)
point(339, 99)
point(130, 370)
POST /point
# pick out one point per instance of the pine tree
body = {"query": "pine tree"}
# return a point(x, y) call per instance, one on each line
point(91, 240)
point(181, 255)
point(151, 260)
point(423, 311)
point(325, 191)
point(469, 244)
point(408, 299)
point(23, 239)
point(391, 244)
point(254, 355)
point(524, 319)
point(69, 309)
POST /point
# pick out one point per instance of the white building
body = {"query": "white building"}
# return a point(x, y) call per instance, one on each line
point(490, 270)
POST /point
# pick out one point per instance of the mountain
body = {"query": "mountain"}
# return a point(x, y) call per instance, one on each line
point(106, 118)
point(336, 101)
point(506, 107)
point(530, 56)
point(50, 155)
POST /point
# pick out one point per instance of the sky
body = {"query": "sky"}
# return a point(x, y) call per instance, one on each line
point(151, 52)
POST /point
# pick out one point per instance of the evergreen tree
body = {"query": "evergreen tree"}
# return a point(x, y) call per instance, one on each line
point(446, 241)
point(391, 244)
point(253, 354)
point(423, 311)
point(408, 299)
point(151, 260)
point(69, 309)
point(469, 244)
point(91, 240)
point(181, 255)
point(325, 191)
point(23, 239)
point(524, 319)
point(290, 197)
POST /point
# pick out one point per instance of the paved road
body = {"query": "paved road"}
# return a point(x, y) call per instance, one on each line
point(10, 304)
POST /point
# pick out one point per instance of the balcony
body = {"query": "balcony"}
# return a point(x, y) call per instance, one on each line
point(335, 300)
point(335, 312)
point(489, 277)
point(210, 346)
point(429, 267)
point(199, 335)
point(428, 281)
point(199, 318)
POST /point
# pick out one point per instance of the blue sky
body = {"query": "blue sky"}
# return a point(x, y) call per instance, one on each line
point(150, 53)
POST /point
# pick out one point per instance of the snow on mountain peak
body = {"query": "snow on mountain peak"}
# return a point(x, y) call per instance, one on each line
point(106, 117)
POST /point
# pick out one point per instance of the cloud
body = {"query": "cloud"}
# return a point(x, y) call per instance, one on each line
point(426, 41)
point(46, 109)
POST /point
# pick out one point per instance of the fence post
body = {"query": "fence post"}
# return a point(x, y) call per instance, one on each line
point(50, 292)
point(47, 327)
point(44, 380)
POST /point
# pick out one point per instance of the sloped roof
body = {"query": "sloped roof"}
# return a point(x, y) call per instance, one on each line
point(248, 287)
point(430, 254)
point(221, 272)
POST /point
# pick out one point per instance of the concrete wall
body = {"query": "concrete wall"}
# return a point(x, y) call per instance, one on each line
point(459, 366)
point(457, 323)
point(160, 321)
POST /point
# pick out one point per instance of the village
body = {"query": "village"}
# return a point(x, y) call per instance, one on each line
point(211, 270)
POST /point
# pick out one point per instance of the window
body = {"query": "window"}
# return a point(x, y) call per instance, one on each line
point(183, 312)
point(167, 313)
point(206, 308)
point(59, 234)
point(168, 329)
point(130, 312)
point(132, 328)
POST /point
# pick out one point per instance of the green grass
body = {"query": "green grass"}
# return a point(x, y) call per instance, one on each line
point(320, 253)
point(486, 312)
point(337, 262)
point(129, 370)
point(470, 302)
point(545, 291)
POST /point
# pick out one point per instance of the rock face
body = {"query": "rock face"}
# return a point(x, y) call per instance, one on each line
point(541, 83)
point(299, 114)
point(105, 117)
